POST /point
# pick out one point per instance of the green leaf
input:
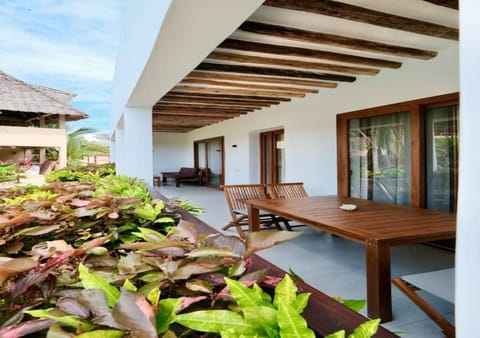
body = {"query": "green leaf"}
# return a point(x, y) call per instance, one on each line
point(93, 281)
point(212, 251)
point(102, 334)
point(338, 334)
point(129, 285)
point(215, 321)
point(237, 269)
point(300, 302)
point(285, 291)
point(243, 295)
point(165, 220)
point(149, 235)
point(295, 275)
point(262, 317)
point(166, 313)
point(366, 330)
point(153, 296)
point(59, 316)
point(292, 325)
point(354, 304)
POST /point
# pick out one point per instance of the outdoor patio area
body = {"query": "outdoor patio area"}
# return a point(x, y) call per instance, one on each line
point(334, 265)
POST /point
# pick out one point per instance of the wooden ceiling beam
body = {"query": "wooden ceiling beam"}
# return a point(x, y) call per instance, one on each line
point(187, 120)
point(214, 101)
point(254, 78)
point(204, 90)
point(229, 96)
point(274, 72)
point(292, 63)
point(335, 40)
point(452, 4)
point(306, 52)
point(201, 110)
point(360, 14)
point(185, 105)
point(195, 114)
point(249, 85)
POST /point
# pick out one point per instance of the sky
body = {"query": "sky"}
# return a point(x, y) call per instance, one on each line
point(69, 45)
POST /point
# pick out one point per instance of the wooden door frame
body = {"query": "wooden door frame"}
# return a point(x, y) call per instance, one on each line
point(273, 160)
point(222, 149)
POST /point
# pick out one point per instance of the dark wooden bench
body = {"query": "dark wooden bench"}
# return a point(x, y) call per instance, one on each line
point(185, 175)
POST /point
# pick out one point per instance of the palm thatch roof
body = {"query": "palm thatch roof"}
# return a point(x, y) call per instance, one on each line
point(21, 101)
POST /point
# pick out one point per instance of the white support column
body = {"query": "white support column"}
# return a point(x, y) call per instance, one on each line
point(136, 159)
point(118, 147)
point(467, 274)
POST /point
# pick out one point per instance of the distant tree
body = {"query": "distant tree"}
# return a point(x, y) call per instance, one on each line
point(78, 146)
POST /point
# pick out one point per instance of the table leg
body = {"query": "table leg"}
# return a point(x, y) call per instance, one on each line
point(379, 292)
point(253, 218)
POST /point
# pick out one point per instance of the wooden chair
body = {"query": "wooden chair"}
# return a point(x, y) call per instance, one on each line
point(287, 190)
point(439, 283)
point(235, 196)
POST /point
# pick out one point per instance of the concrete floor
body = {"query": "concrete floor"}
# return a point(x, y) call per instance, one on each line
point(334, 265)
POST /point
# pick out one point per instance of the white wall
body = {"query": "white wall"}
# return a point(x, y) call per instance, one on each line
point(171, 151)
point(310, 123)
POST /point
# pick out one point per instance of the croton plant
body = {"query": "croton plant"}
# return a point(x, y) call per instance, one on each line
point(101, 258)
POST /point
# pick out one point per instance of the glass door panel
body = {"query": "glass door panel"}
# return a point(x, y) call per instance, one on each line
point(214, 155)
point(379, 158)
point(441, 143)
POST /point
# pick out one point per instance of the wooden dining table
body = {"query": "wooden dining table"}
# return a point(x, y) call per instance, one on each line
point(377, 225)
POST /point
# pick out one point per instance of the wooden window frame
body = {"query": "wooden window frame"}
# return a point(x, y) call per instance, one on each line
point(416, 110)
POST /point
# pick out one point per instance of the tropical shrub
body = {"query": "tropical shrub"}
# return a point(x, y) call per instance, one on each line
point(7, 171)
point(101, 260)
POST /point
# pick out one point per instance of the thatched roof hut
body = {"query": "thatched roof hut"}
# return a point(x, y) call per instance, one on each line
point(22, 104)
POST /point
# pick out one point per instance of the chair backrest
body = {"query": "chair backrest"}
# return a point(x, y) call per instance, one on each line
point(237, 194)
point(188, 172)
point(286, 190)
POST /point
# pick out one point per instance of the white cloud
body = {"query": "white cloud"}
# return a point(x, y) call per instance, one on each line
point(70, 45)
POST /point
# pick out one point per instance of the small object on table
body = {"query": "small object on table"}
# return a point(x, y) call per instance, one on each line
point(348, 207)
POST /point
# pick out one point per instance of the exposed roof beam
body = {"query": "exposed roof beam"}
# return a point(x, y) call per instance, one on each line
point(365, 15)
point(274, 72)
point(228, 96)
point(334, 40)
point(226, 108)
point(254, 78)
point(196, 114)
point(249, 85)
point(292, 63)
point(200, 110)
point(306, 52)
point(214, 101)
point(453, 4)
point(211, 90)
point(226, 105)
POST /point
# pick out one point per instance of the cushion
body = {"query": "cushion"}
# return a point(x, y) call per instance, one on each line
point(187, 172)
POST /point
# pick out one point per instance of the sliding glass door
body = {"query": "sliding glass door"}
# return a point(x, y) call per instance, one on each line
point(209, 157)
